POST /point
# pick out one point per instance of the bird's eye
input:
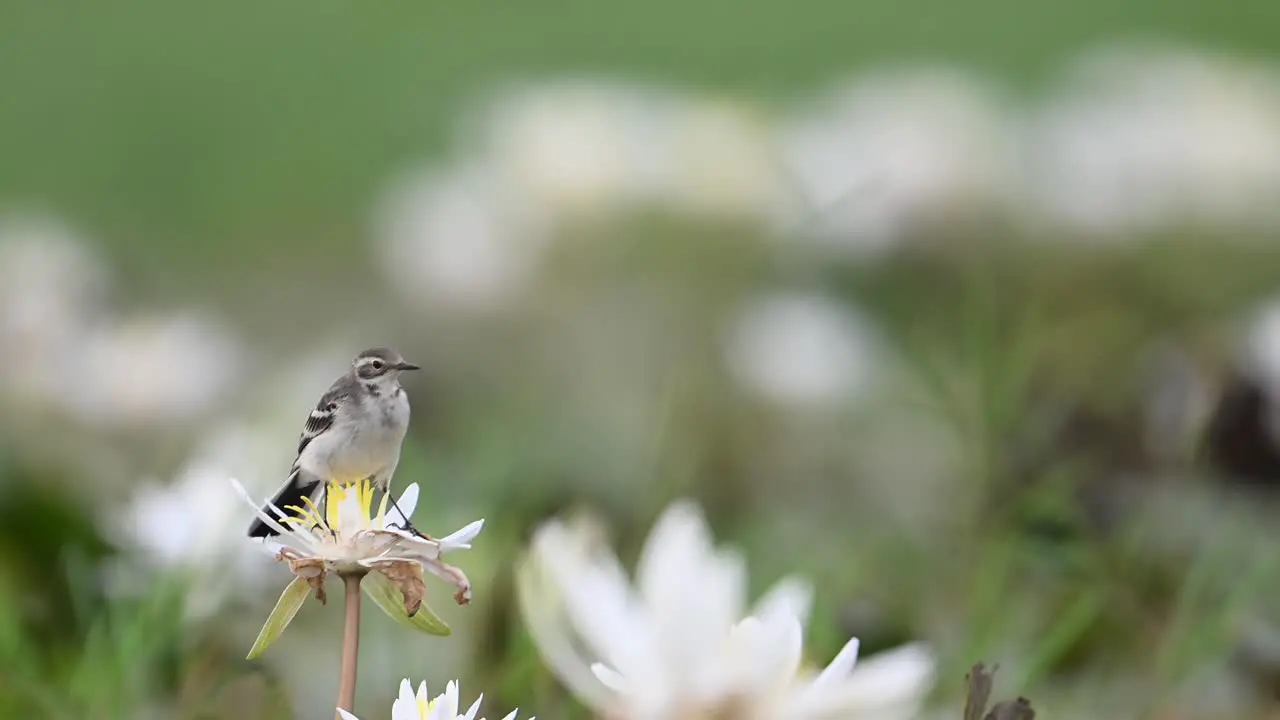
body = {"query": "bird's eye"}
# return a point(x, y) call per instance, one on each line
point(377, 364)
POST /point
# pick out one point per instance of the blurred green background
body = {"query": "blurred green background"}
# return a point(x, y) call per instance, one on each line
point(973, 408)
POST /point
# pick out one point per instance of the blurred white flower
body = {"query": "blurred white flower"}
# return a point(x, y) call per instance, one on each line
point(578, 147)
point(724, 164)
point(1149, 138)
point(148, 370)
point(52, 287)
point(194, 525)
point(458, 238)
point(537, 159)
point(583, 149)
point(801, 350)
point(160, 521)
point(421, 707)
point(678, 644)
point(893, 151)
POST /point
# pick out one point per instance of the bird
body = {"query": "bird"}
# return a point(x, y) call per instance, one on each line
point(354, 433)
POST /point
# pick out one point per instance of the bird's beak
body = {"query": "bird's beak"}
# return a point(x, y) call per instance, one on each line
point(407, 366)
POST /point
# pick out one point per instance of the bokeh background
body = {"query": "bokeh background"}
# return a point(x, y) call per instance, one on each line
point(966, 311)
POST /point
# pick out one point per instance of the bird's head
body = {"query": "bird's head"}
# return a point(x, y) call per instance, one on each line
point(377, 364)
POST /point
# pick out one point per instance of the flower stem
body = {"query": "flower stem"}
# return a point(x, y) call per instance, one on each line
point(350, 643)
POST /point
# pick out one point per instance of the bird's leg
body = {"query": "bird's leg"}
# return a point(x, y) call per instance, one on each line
point(408, 524)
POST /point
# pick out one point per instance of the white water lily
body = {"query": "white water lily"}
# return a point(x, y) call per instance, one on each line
point(347, 537)
point(679, 645)
point(444, 706)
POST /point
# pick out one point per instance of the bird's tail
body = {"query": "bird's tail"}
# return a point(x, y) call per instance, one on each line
point(294, 490)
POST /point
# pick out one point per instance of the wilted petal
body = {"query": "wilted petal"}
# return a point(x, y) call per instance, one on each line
point(310, 569)
point(389, 600)
point(286, 607)
point(407, 576)
point(453, 575)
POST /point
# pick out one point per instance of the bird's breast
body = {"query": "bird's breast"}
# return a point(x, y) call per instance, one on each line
point(395, 412)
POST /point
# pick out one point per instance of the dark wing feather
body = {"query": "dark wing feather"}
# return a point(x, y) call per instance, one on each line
point(321, 419)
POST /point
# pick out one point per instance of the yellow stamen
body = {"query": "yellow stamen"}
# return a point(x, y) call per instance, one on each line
point(364, 491)
point(381, 520)
point(304, 514)
point(315, 510)
point(335, 494)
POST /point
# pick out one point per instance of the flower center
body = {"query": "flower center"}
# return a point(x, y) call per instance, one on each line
point(348, 508)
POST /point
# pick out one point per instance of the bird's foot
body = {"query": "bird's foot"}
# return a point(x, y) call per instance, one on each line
point(409, 528)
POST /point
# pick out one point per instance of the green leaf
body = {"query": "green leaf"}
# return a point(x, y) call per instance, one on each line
point(387, 597)
point(286, 607)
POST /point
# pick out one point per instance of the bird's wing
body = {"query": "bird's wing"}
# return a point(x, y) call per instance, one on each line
point(322, 418)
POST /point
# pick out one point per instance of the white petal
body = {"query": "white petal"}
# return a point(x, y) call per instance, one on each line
point(271, 522)
point(790, 596)
point(887, 685)
point(692, 593)
point(475, 707)
point(764, 655)
point(611, 678)
point(423, 694)
point(270, 547)
point(351, 516)
point(403, 507)
point(540, 605)
point(410, 545)
point(840, 668)
point(673, 555)
point(597, 595)
point(446, 705)
point(461, 540)
point(346, 715)
point(787, 641)
point(406, 705)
